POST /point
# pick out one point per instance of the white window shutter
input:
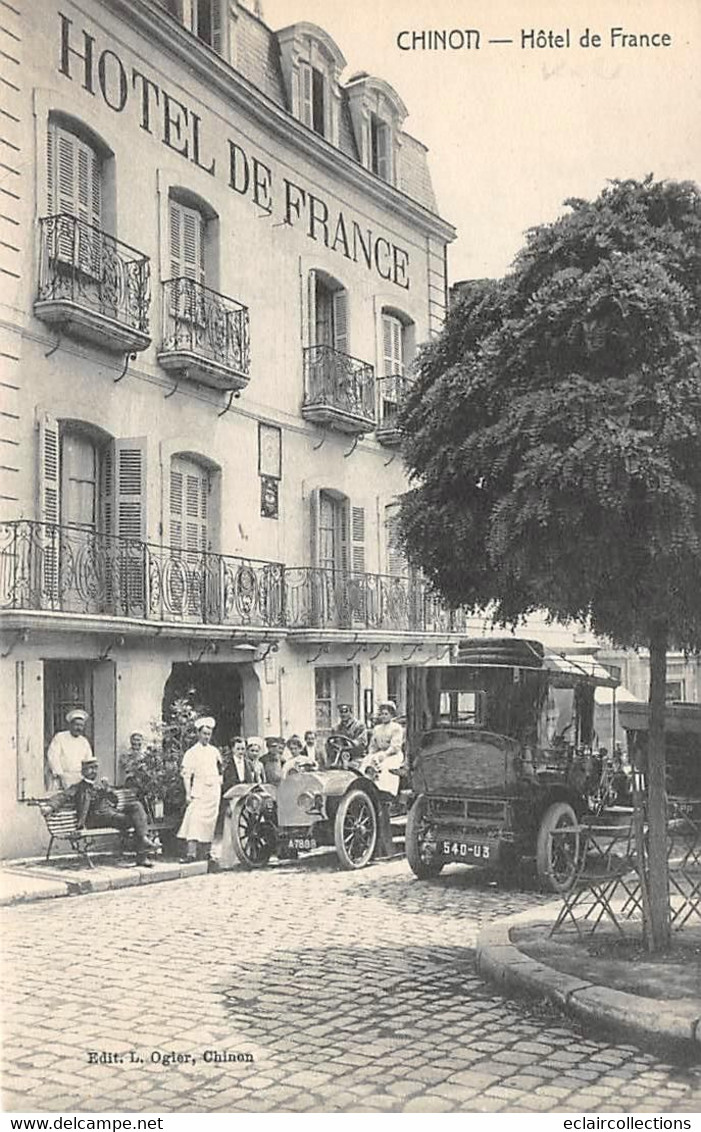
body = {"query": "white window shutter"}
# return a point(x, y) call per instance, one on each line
point(383, 152)
point(186, 242)
point(49, 501)
point(217, 39)
point(340, 321)
point(49, 483)
point(306, 112)
point(311, 309)
point(130, 491)
point(392, 345)
point(358, 539)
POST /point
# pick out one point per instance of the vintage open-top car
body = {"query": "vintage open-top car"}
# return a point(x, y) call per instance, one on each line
point(502, 766)
point(335, 806)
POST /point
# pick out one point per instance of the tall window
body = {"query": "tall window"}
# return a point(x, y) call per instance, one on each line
point(380, 151)
point(90, 489)
point(329, 314)
point(340, 533)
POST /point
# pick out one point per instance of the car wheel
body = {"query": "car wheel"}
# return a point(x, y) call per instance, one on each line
point(420, 844)
point(251, 836)
point(355, 829)
point(557, 847)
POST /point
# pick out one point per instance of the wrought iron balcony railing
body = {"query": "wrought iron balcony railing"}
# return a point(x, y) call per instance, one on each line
point(391, 392)
point(338, 390)
point(93, 284)
point(205, 334)
point(73, 570)
point(317, 598)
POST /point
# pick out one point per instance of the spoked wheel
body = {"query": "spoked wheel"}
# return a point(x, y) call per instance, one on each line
point(252, 836)
point(420, 843)
point(355, 830)
point(557, 849)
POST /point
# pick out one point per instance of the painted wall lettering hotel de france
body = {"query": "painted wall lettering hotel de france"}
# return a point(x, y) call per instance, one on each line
point(224, 254)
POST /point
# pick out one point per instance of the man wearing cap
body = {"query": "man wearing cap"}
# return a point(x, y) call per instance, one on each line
point(96, 804)
point(201, 774)
point(68, 749)
point(352, 728)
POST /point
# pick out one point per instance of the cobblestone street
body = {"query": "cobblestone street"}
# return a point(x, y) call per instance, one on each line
point(350, 991)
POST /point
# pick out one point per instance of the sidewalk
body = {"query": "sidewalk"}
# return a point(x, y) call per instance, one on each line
point(599, 979)
point(36, 879)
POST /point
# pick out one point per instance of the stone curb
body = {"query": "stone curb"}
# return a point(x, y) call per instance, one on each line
point(500, 961)
point(115, 879)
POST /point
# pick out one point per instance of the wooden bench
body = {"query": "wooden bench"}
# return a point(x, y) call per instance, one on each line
point(62, 825)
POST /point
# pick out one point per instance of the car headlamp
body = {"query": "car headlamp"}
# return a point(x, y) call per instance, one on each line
point(310, 803)
point(254, 804)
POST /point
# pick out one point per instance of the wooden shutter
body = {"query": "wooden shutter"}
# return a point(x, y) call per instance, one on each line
point(45, 564)
point(217, 25)
point(130, 493)
point(383, 136)
point(49, 490)
point(396, 562)
point(186, 242)
point(392, 345)
point(74, 176)
point(357, 531)
point(310, 336)
point(314, 513)
point(306, 112)
point(176, 507)
point(340, 321)
point(130, 514)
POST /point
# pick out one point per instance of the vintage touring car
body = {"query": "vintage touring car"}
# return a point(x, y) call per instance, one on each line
point(502, 767)
point(335, 806)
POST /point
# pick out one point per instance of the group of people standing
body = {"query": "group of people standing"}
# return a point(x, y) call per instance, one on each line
point(208, 774)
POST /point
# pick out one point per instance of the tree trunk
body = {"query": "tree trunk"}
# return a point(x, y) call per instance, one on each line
point(659, 930)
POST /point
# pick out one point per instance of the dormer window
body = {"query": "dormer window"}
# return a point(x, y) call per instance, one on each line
point(201, 17)
point(377, 113)
point(311, 66)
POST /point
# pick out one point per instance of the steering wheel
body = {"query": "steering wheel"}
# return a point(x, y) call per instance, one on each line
point(340, 749)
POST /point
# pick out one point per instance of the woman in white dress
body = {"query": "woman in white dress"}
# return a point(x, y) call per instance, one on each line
point(385, 751)
point(201, 773)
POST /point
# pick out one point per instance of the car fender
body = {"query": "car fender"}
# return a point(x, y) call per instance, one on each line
point(243, 788)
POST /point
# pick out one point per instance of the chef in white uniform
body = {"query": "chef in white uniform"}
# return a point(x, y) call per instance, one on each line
point(68, 750)
point(201, 773)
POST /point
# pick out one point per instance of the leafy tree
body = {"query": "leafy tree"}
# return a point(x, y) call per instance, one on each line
point(553, 436)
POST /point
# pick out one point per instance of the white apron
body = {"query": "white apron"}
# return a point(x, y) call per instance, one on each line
point(201, 767)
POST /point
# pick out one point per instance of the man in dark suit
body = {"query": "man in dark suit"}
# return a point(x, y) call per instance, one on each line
point(237, 769)
point(96, 804)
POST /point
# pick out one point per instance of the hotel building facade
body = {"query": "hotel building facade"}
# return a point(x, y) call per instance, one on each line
point(219, 255)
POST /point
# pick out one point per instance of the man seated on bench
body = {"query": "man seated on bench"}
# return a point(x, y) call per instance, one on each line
point(96, 805)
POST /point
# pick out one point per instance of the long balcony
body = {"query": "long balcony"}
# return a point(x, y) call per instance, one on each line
point(70, 570)
point(82, 576)
point(206, 336)
point(92, 285)
point(339, 391)
point(391, 392)
point(320, 599)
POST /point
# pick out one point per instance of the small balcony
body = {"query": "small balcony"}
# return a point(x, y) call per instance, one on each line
point(317, 598)
point(339, 391)
point(91, 285)
point(391, 392)
point(70, 570)
point(206, 336)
